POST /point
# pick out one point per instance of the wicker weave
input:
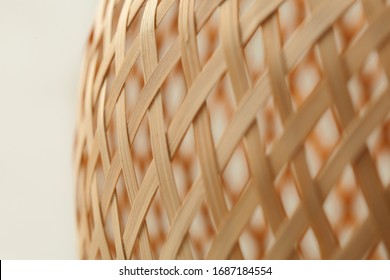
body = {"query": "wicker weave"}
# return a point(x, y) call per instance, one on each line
point(235, 129)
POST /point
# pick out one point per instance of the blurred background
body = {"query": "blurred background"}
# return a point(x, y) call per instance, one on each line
point(41, 47)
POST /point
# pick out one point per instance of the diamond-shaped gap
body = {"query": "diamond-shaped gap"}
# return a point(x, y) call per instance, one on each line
point(158, 225)
point(326, 134)
point(167, 30)
point(379, 148)
point(112, 135)
point(375, 141)
point(100, 177)
point(123, 202)
point(208, 38)
point(379, 253)
point(373, 76)
point(334, 210)
point(357, 92)
point(255, 55)
point(174, 91)
point(249, 245)
point(369, 82)
point(309, 246)
point(141, 150)
point(321, 141)
point(257, 237)
point(269, 124)
point(345, 207)
point(220, 104)
point(153, 228)
point(339, 38)
point(107, 224)
point(107, 85)
point(305, 77)
point(133, 86)
point(383, 165)
point(313, 159)
point(291, 14)
point(287, 190)
point(201, 233)
point(235, 176)
point(95, 108)
point(185, 164)
point(183, 184)
point(109, 233)
point(351, 24)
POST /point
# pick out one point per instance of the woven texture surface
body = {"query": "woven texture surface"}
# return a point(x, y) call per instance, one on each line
point(235, 129)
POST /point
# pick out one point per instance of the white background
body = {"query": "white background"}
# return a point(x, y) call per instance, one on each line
point(41, 46)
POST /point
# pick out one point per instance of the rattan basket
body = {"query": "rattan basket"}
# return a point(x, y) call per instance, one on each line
point(235, 129)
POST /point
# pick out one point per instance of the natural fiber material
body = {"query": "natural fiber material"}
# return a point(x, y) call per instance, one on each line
point(235, 129)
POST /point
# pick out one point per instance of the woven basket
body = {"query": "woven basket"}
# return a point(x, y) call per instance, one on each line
point(235, 129)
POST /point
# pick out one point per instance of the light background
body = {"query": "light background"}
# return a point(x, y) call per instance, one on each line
point(41, 46)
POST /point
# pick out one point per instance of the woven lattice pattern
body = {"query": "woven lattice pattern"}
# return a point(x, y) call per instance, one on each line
point(235, 129)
